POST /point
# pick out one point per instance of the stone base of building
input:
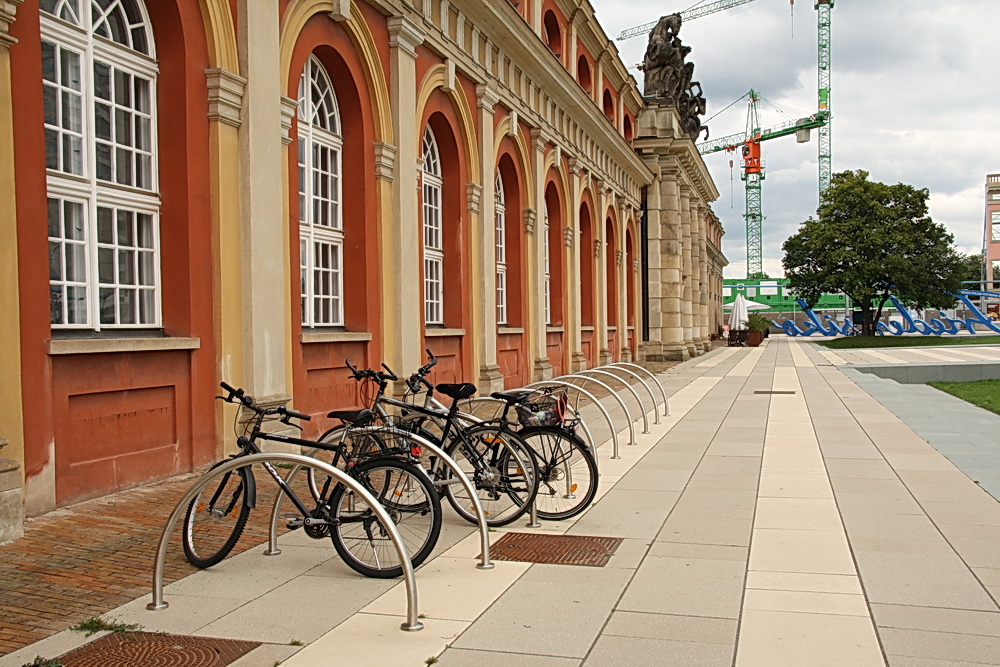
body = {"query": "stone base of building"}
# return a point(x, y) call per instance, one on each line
point(542, 370)
point(11, 505)
point(578, 362)
point(604, 357)
point(490, 379)
point(670, 353)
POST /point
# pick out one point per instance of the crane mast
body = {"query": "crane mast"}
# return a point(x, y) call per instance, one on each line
point(752, 172)
point(751, 145)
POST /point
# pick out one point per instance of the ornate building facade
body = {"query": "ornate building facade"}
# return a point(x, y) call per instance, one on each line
point(256, 190)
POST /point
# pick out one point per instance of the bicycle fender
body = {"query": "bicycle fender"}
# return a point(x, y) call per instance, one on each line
point(250, 497)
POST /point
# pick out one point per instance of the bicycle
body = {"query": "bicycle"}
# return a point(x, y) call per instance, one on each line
point(496, 460)
point(215, 519)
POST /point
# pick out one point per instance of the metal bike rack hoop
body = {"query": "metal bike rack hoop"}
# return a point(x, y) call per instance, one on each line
point(614, 395)
point(666, 410)
point(412, 623)
point(652, 396)
point(635, 394)
point(484, 563)
point(595, 401)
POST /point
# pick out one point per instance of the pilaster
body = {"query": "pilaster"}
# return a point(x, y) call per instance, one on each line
point(402, 243)
point(687, 313)
point(11, 400)
point(542, 365)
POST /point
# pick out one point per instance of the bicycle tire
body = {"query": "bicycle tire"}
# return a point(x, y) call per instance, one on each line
point(567, 472)
point(359, 445)
point(500, 467)
point(212, 524)
point(407, 495)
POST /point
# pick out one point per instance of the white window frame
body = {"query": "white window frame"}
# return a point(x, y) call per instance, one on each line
point(82, 186)
point(500, 232)
point(995, 225)
point(320, 175)
point(433, 241)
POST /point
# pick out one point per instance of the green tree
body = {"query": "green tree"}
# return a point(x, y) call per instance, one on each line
point(972, 271)
point(870, 241)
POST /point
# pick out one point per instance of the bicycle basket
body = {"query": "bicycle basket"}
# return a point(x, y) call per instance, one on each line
point(546, 410)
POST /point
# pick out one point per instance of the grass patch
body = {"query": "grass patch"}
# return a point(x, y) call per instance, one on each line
point(984, 393)
point(854, 342)
point(97, 624)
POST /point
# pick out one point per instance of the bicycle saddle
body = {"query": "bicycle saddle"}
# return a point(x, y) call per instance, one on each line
point(511, 397)
point(356, 417)
point(456, 391)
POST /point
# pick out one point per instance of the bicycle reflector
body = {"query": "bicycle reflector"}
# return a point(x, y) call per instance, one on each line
point(415, 451)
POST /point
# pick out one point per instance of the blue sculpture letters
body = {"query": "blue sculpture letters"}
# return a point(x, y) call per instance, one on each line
point(937, 326)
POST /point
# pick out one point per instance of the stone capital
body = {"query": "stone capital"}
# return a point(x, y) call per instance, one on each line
point(529, 220)
point(288, 107)
point(385, 161)
point(341, 10)
point(405, 34)
point(225, 96)
point(486, 97)
point(8, 14)
point(597, 248)
point(474, 196)
point(569, 236)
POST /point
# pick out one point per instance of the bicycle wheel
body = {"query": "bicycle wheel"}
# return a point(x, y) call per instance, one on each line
point(567, 472)
point(407, 495)
point(215, 519)
point(501, 469)
point(358, 446)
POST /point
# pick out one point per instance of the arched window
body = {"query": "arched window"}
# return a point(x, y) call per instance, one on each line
point(583, 73)
point(321, 228)
point(500, 216)
point(548, 264)
point(99, 98)
point(608, 102)
point(553, 33)
point(433, 242)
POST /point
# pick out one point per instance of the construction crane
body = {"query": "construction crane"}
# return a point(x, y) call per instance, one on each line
point(753, 167)
point(686, 15)
point(824, 107)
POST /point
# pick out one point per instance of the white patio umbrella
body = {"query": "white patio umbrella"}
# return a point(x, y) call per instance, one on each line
point(751, 305)
point(738, 314)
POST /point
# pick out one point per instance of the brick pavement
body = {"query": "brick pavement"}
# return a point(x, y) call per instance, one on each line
point(89, 558)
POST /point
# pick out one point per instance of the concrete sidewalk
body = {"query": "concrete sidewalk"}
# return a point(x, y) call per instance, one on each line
point(781, 515)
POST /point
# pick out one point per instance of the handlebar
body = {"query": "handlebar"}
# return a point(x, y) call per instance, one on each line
point(240, 396)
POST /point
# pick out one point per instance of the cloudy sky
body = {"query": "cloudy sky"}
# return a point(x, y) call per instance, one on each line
point(916, 99)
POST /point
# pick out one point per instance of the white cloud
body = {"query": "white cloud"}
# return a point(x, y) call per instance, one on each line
point(914, 101)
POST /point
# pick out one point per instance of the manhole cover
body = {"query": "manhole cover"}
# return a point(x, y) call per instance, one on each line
point(129, 649)
point(555, 549)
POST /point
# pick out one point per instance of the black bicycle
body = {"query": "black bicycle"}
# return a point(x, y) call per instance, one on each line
point(215, 519)
point(491, 454)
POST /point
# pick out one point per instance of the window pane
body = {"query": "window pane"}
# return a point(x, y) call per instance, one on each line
point(105, 226)
point(51, 149)
point(126, 268)
point(102, 121)
point(123, 166)
point(108, 305)
point(144, 223)
point(55, 229)
point(76, 305)
point(124, 226)
point(69, 65)
point(49, 62)
point(76, 263)
point(103, 154)
point(55, 261)
point(147, 306)
point(73, 221)
point(56, 303)
point(106, 266)
point(102, 81)
point(123, 88)
point(146, 270)
point(126, 305)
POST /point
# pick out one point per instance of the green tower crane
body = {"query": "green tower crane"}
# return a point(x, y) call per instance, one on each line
point(753, 168)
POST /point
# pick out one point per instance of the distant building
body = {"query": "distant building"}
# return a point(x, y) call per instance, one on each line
point(991, 234)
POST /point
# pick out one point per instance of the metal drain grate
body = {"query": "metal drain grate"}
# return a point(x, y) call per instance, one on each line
point(144, 648)
point(555, 549)
point(760, 391)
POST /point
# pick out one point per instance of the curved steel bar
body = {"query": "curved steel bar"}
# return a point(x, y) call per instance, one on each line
point(614, 394)
point(666, 410)
point(484, 563)
point(652, 396)
point(593, 399)
point(412, 621)
point(600, 370)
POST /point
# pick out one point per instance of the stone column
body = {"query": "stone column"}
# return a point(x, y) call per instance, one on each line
point(484, 249)
point(671, 275)
point(11, 412)
point(706, 286)
point(264, 241)
point(571, 236)
point(687, 304)
point(623, 269)
point(542, 367)
point(602, 280)
point(695, 281)
point(402, 241)
point(655, 226)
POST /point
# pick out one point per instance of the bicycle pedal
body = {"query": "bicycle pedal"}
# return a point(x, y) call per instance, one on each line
point(292, 521)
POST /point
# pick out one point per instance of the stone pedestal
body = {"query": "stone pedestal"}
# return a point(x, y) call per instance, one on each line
point(11, 504)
